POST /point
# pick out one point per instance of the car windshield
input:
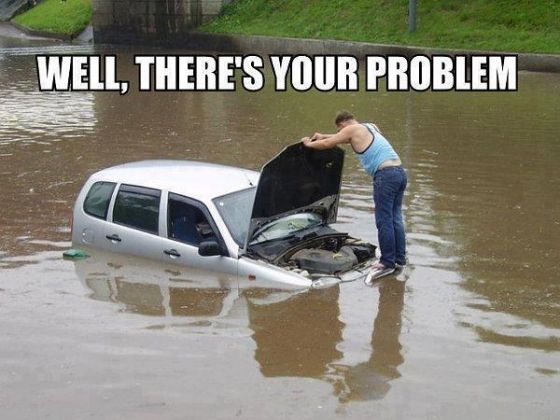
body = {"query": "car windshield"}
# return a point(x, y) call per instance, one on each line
point(235, 209)
point(287, 226)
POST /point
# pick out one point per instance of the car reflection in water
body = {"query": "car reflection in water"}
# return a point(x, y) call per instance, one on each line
point(297, 334)
point(152, 289)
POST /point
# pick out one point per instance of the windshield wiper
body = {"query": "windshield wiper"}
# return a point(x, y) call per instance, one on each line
point(281, 238)
point(306, 234)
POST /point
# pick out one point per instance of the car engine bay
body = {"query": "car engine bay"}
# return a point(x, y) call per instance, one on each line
point(331, 255)
point(324, 251)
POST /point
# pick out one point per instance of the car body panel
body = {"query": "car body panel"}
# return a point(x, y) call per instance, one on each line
point(257, 273)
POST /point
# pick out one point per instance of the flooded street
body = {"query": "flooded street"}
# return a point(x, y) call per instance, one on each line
point(470, 328)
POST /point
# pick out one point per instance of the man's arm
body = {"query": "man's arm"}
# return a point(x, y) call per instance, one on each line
point(320, 136)
point(343, 136)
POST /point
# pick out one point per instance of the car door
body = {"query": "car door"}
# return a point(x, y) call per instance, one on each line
point(133, 222)
point(188, 224)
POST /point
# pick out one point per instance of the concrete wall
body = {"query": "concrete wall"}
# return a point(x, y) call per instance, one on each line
point(157, 22)
point(8, 8)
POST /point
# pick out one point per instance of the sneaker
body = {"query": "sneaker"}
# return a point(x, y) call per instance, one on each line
point(376, 272)
point(401, 264)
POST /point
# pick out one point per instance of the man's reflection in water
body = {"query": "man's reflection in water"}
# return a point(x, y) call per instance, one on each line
point(371, 379)
point(299, 337)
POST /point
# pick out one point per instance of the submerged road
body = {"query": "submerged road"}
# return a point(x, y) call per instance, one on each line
point(470, 328)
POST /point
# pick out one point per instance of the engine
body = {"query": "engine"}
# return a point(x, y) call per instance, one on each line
point(332, 257)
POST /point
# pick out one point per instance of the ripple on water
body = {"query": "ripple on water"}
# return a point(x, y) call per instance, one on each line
point(32, 119)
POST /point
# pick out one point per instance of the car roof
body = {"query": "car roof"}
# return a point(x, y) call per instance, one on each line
point(199, 180)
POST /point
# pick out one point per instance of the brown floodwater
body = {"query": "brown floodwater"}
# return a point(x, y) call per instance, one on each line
point(470, 328)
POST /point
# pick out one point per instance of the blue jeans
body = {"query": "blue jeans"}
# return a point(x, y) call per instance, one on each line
point(388, 191)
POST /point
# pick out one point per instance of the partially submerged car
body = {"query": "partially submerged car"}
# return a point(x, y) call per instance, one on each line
point(255, 230)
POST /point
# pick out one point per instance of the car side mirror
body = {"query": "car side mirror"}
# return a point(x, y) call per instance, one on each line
point(209, 248)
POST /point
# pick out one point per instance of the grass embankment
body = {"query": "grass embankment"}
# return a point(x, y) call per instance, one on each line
point(499, 25)
point(68, 17)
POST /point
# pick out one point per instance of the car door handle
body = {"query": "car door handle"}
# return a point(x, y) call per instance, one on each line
point(172, 253)
point(114, 238)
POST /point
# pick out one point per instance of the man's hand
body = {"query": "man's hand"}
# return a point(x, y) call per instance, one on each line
point(327, 141)
point(306, 141)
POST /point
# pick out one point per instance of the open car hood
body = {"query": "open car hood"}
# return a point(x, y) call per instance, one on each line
point(297, 179)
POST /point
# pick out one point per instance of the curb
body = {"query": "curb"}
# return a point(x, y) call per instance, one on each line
point(43, 34)
point(246, 44)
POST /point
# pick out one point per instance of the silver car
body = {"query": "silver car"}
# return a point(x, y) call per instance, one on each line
point(242, 228)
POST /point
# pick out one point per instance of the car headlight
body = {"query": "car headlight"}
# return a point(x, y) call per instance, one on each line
point(324, 282)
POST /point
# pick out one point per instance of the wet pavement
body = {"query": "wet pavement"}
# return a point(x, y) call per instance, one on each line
point(470, 328)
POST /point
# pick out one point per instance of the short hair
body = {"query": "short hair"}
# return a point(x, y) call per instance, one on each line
point(343, 116)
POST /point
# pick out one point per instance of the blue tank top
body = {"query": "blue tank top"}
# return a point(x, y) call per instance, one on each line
point(378, 151)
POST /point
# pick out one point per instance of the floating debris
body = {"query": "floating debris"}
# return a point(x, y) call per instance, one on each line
point(75, 253)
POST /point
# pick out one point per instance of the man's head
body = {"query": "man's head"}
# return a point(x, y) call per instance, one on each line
point(344, 119)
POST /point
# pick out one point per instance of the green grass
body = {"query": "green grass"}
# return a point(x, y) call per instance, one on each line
point(69, 17)
point(498, 25)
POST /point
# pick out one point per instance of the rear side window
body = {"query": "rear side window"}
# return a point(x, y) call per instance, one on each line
point(98, 198)
point(138, 208)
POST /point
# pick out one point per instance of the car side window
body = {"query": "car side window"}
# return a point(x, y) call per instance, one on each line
point(138, 208)
point(97, 200)
point(187, 223)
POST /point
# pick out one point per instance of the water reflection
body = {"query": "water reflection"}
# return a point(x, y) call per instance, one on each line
point(297, 334)
point(29, 116)
point(371, 379)
point(297, 337)
point(147, 288)
point(155, 300)
point(302, 337)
